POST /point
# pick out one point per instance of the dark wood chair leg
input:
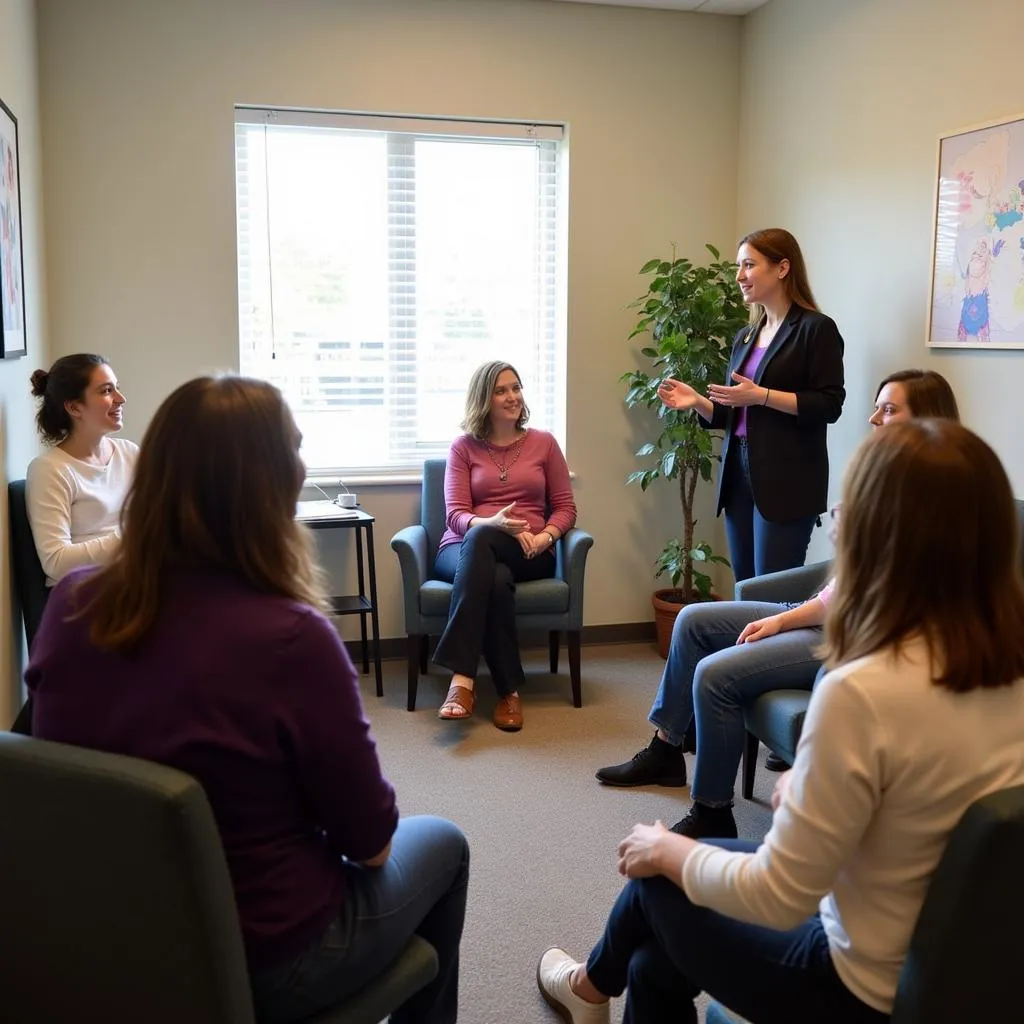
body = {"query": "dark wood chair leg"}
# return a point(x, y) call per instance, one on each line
point(573, 637)
point(424, 653)
point(553, 639)
point(414, 646)
point(750, 749)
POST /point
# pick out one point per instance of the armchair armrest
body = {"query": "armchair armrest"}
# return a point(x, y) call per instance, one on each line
point(410, 544)
point(797, 584)
point(570, 565)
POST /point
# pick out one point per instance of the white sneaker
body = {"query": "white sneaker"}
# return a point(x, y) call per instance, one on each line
point(553, 973)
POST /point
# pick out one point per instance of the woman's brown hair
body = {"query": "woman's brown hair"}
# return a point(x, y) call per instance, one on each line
point(65, 381)
point(776, 245)
point(215, 487)
point(477, 421)
point(928, 393)
point(930, 547)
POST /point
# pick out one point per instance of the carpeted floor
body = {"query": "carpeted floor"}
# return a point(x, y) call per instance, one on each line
point(542, 830)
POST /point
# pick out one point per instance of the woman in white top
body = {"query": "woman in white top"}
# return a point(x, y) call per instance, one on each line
point(814, 924)
point(75, 490)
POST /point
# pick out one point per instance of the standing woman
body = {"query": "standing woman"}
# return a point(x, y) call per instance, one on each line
point(508, 498)
point(787, 374)
point(75, 490)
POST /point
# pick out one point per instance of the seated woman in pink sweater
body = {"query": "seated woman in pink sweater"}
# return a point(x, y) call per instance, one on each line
point(508, 499)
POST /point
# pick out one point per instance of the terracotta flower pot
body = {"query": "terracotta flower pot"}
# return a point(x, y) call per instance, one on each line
point(668, 604)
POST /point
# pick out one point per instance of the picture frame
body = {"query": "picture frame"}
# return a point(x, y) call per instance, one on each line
point(976, 297)
point(12, 258)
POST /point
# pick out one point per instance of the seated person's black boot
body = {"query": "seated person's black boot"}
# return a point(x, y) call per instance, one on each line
point(658, 764)
point(704, 822)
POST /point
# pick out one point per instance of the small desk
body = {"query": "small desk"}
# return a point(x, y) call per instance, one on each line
point(363, 603)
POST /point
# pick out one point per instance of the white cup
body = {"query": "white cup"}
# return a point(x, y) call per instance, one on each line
point(347, 500)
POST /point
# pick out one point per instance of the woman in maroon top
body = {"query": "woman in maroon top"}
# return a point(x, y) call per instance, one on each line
point(203, 645)
point(508, 499)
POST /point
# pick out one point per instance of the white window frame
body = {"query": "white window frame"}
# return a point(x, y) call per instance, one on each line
point(546, 398)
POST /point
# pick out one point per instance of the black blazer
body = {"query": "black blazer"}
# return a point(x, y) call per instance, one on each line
point(788, 455)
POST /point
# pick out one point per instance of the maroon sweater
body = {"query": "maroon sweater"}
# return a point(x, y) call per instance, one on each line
point(256, 697)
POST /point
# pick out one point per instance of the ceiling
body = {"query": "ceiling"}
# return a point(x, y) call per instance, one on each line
point(704, 6)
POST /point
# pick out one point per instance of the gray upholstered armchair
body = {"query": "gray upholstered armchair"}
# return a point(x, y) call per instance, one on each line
point(114, 880)
point(554, 604)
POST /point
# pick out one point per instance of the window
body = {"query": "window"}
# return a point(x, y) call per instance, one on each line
point(381, 259)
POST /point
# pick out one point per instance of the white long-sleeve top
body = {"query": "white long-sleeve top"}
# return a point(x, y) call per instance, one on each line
point(74, 507)
point(886, 766)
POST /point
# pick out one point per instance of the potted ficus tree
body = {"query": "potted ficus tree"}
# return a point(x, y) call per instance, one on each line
point(691, 314)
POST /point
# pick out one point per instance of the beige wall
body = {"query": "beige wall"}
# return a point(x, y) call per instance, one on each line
point(137, 105)
point(18, 89)
point(842, 107)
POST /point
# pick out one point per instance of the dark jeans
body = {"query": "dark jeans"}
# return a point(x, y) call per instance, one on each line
point(484, 570)
point(421, 889)
point(663, 950)
point(757, 546)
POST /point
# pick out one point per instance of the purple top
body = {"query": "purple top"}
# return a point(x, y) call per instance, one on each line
point(748, 369)
point(538, 482)
point(255, 696)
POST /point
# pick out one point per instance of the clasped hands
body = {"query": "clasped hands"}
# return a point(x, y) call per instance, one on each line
point(677, 395)
point(531, 543)
point(651, 850)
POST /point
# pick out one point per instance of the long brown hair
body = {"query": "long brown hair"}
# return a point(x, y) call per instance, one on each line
point(477, 421)
point(928, 393)
point(776, 245)
point(929, 547)
point(215, 487)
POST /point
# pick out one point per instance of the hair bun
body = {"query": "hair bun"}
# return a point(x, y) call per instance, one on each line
point(39, 380)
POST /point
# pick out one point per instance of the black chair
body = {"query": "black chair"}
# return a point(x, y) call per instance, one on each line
point(30, 589)
point(118, 905)
point(30, 586)
point(967, 944)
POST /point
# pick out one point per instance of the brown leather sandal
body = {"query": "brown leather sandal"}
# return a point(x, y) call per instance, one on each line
point(458, 704)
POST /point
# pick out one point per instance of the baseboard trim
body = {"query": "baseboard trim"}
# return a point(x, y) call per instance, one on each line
point(394, 648)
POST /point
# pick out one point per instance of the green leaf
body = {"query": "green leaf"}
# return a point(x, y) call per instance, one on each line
point(649, 266)
point(647, 449)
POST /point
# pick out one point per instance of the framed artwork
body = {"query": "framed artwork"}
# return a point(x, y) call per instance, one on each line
point(12, 267)
point(977, 286)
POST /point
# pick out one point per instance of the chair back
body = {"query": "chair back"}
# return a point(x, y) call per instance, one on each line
point(432, 507)
point(29, 579)
point(113, 881)
point(968, 944)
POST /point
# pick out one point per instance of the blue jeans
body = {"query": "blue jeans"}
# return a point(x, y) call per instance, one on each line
point(709, 678)
point(664, 951)
point(757, 545)
point(421, 889)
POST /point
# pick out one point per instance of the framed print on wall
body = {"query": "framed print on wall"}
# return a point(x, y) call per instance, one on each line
point(12, 267)
point(977, 285)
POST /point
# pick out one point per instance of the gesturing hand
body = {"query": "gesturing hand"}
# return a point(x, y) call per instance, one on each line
point(743, 392)
point(504, 520)
point(534, 543)
point(759, 629)
point(638, 851)
point(677, 395)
